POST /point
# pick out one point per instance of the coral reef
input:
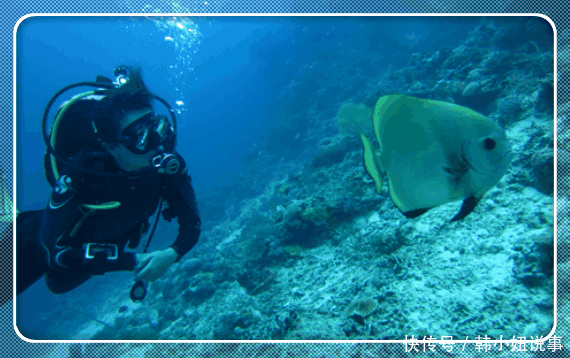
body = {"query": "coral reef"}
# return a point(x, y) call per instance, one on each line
point(354, 118)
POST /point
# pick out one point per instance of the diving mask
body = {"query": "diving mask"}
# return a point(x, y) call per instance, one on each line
point(148, 133)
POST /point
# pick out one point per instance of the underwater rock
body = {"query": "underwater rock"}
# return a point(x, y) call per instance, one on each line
point(223, 273)
point(386, 240)
point(543, 170)
point(168, 290)
point(362, 307)
point(266, 280)
point(144, 332)
point(332, 150)
point(304, 221)
point(284, 323)
point(534, 263)
point(292, 222)
point(437, 59)
point(225, 325)
point(357, 318)
point(349, 328)
point(153, 317)
point(462, 59)
point(353, 118)
point(275, 251)
point(191, 266)
point(545, 98)
point(383, 275)
point(474, 74)
point(170, 313)
point(248, 317)
point(418, 88)
point(255, 278)
point(278, 214)
point(257, 237)
point(497, 61)
point(471, 89)
point(122, 320)
point(199, 293)
point(509, 109)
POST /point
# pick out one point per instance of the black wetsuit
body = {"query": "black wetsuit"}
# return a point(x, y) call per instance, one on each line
point(53, 241)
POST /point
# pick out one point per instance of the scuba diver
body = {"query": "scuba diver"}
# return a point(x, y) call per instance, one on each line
point(111, 162)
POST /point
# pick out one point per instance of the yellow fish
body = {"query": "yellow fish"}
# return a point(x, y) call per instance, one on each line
point(434, 152)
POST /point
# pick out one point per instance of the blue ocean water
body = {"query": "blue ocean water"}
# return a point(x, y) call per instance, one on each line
point(230, 81)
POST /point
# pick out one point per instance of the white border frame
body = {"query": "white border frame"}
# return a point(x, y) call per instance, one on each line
point(420, 342)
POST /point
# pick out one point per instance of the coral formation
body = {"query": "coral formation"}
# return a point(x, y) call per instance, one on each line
point(354, 118)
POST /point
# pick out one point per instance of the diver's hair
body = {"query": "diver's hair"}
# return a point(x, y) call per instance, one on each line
point(104, 114)
point(131, 95)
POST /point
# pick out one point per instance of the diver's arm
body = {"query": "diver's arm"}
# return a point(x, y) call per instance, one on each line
point(183, 200)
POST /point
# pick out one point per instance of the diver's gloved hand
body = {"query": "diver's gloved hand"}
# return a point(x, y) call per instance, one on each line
point(153, 265)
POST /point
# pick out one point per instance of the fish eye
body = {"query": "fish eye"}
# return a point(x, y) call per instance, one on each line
point(489, 143)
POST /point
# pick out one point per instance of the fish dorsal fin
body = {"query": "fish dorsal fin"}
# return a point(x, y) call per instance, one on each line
point(371, 163)
point(377, 117)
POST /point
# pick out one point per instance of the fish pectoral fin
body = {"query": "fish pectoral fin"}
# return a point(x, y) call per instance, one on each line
point(459, 170)
point(456, 173)
point(449, 170)
point(467, 207)
point(457, 167)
